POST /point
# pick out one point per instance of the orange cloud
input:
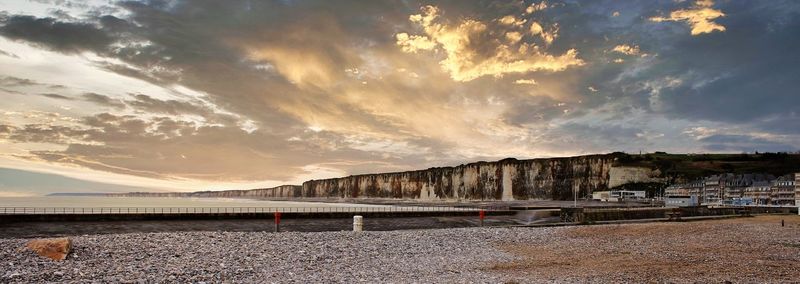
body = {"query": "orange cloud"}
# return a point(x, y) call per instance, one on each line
point(700, 17)
point(627, 49)
point(464, 45)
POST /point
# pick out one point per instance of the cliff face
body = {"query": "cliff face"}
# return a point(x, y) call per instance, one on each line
point(285, 191)
point(508, 179)
point(511, 179)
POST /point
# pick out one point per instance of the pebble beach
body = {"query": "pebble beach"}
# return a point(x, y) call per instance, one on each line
point(739, 250)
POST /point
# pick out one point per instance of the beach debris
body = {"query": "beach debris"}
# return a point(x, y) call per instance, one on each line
point(55, 249)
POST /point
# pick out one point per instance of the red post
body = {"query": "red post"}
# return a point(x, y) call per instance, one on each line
point(277, 221)
point(482, 215)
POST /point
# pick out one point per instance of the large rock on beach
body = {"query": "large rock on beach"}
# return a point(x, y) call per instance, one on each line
point(55, 249)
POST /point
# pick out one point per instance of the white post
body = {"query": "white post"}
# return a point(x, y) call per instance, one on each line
point(358, 223)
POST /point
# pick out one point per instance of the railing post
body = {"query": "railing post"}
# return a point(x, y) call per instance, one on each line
point(277, 221)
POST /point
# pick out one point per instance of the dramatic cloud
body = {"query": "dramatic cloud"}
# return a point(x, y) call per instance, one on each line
point(473, 51)
point(700, 17)
point(239, 94)
point(62, 36)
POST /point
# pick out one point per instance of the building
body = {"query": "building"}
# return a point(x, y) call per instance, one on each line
point(681, 201)
point(760, 192)
point(782, 190)
point(797, 190)
point(676, 190)
point(713, 188)
point(618, 195)
point(736, 185)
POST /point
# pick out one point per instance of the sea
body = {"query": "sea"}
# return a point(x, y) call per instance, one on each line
point(122, 202)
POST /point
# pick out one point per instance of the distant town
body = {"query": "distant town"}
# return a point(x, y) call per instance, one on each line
point(738, 189)
point(728, 189)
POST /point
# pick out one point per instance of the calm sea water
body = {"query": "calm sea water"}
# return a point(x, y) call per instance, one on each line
point(96, 201)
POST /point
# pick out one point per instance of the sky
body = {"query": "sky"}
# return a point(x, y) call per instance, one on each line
point(210, 95)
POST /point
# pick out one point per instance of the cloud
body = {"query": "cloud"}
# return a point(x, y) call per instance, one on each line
point(61, 36)
point(415, 43)
point(9, 54)
point(56, 96)
point(744, 143)
point(627, 49)
point(471, 53)
point(700, 17)
point(286, 90)
point(525, 82)
point(103, 100)
point(534, 7)
point(10, 81)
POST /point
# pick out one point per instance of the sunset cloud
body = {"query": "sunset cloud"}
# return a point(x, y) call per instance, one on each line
point(700, 17)
point(536, 7)
point(627, 49)
point(198, 95)
point(525, 82)
point(467, 60)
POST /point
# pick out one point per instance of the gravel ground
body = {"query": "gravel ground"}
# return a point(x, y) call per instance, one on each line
point(740, 250)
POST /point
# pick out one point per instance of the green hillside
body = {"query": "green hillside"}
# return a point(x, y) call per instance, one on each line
point(694, 166)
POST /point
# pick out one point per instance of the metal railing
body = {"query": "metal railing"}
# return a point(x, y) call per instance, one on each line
point(217, 210)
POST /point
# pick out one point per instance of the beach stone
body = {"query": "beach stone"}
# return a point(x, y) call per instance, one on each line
point(55, 249)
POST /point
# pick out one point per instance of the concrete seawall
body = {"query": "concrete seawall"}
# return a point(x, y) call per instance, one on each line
point(268, 217)
point(610, 214)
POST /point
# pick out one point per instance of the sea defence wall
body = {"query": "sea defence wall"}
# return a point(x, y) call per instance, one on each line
point(508, 179)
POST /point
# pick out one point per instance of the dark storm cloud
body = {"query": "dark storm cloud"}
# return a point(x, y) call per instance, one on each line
point(51, 33)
